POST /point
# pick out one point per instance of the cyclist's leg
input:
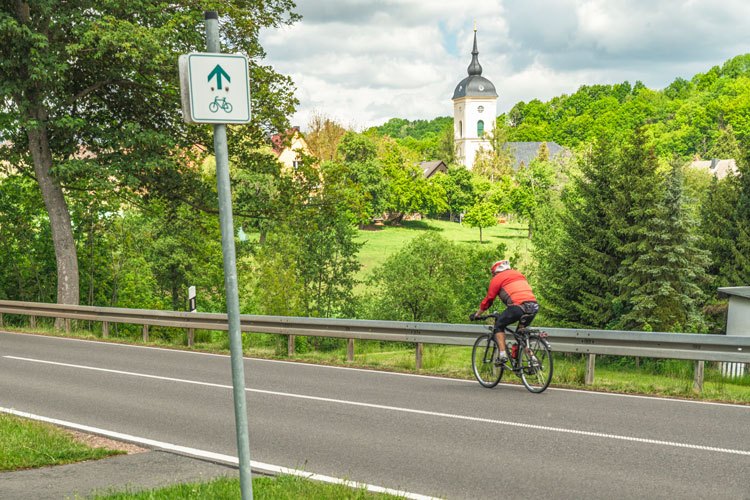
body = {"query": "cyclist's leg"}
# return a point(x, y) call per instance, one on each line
point(510, 315)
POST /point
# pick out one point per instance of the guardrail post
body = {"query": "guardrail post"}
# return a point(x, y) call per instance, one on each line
point(145, 333)
point(290, 345)
point(191, 337)
point(350, 350)
point(590, 363)
point(67, 325)
point(105, 330)
point(32, 322)
point(698, 376)
point(1, 319)
point(418, 360)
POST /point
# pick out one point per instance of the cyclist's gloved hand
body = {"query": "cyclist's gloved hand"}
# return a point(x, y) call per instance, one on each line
point(472, 316)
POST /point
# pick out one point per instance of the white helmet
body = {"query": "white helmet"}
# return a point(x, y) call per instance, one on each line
point(499, 266)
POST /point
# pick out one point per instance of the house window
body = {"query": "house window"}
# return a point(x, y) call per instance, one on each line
point(480, 128)
point(460, 128)
point(296, 164)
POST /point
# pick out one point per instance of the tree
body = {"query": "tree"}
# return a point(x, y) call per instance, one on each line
point(574, 250)
point(89, 90)
point(420, 282)
point(661, 280)
point(496, 161)
point(323, 136)
point(481, 215)
point(533, 189)
point(410, 192)
point(725, 146)
point(459, 190)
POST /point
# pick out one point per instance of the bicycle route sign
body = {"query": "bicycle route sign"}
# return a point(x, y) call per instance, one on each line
point(215, 88)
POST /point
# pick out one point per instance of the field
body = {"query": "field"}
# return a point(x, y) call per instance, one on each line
point(382, 241)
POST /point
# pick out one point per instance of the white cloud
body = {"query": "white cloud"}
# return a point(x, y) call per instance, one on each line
point(364, 62)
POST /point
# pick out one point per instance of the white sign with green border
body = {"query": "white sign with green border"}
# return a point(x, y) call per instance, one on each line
point(215, 88)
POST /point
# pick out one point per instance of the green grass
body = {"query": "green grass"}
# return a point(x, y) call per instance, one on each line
point(25, 444)
point(386, 240)
point(264, 488)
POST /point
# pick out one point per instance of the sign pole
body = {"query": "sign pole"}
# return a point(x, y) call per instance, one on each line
point(230, 278)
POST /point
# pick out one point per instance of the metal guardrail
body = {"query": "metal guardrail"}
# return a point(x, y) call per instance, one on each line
point(689, 346)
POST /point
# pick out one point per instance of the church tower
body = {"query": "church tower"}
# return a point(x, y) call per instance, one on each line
point(474, 111)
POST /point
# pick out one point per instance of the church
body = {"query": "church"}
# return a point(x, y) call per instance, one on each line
point(475, 115)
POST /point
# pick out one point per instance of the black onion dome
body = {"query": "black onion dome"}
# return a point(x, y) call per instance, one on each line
point(475, 85)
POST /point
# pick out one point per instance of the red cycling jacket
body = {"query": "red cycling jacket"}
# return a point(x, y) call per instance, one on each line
point(512, 288)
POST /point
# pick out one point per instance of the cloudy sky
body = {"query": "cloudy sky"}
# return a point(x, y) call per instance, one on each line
point(364, 62)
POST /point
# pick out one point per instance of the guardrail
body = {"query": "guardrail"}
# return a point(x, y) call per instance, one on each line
point(689, 346)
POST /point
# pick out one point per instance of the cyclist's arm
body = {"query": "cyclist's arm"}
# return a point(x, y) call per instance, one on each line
point(495, 286)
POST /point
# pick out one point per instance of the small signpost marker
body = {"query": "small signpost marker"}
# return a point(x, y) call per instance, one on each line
point(192, 308)
point(215, 89)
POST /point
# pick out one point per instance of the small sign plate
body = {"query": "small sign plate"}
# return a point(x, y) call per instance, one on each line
point(215, 88)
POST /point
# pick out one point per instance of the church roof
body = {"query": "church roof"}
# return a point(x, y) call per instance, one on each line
point(524, 152)
point(474, 85)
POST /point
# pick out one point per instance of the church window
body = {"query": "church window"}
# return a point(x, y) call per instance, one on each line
point(460, 128)
point(480, 128)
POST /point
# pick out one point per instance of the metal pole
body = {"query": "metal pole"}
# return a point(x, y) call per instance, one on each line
point(230, 279)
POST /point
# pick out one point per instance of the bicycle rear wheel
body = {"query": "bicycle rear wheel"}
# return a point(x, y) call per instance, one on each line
point(536, 375)
point(483, 358)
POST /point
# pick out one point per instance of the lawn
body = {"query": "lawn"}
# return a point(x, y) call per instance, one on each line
point(382, 241)
point(27, 444)
point(270, 488)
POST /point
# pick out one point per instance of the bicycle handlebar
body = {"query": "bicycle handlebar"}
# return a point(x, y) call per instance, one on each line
point(487, 316)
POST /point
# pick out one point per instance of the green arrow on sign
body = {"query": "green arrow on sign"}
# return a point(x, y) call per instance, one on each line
point(218, 72)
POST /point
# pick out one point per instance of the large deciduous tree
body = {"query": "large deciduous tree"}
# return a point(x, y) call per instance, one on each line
point(89, 91)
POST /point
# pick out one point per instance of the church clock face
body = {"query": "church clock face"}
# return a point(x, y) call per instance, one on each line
point(480, 109)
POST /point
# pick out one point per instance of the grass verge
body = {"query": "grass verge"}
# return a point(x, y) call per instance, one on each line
point(27, 444)
point(264, 488)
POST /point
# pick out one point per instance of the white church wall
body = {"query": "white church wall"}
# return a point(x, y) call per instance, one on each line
point(466, 116)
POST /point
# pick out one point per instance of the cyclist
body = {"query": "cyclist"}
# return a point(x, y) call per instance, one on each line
point(516, 293)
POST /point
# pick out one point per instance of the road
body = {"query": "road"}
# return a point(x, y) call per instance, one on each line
point(432, 436)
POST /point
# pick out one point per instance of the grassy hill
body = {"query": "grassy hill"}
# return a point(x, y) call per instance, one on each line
point(383, 241)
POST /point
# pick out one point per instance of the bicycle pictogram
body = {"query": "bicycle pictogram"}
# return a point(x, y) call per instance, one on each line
point(220, 102)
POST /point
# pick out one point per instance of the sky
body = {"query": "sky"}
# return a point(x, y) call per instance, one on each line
point(363, 62)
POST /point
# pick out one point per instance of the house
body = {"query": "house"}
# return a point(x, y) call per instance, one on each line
point(287, 147)
point(430, 168)
point(716, 167)
point(524, 152)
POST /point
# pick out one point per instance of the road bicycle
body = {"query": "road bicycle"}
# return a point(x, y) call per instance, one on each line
point(220, 102)
point(529, 356)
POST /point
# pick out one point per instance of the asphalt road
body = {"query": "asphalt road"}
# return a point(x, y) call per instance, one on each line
point(433, 436)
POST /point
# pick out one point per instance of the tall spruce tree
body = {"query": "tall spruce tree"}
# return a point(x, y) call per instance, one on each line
point(574, 247)
point(663, 268)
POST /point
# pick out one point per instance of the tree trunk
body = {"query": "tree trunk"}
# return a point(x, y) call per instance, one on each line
point(57, 209)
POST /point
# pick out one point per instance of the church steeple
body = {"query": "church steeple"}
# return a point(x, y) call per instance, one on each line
point(475, 68)
point(474, 111)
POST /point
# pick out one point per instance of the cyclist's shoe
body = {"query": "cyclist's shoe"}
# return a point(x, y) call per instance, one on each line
point(502, 358)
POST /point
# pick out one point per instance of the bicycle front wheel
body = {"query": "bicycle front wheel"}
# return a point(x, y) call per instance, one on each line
point(536, 374)
point(483, 357)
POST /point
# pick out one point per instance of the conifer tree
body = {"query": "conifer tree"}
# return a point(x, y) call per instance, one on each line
point(575, 249)
point(660, 278)
point(736, 270)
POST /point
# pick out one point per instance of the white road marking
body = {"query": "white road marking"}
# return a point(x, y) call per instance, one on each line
point(407, 410)
point(383, 372)
point(257, 466)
